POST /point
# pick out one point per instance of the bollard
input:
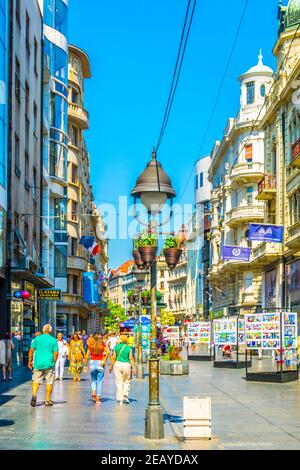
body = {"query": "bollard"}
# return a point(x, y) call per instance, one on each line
point(197, 417)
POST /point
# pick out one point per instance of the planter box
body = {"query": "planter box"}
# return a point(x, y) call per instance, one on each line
point(174, 367)
point(273, 377)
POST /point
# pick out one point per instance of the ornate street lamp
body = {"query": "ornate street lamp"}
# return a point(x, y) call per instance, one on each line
point(153, 188)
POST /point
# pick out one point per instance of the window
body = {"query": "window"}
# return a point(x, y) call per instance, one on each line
point(17, 80)
point(249, 195)
point(75, 96)
point(27, 100)
point(35, 118)
point(74, 216)
point(201, 180)
point(35, 56)
point(34, 195)
point(249, 153)
point(74, 136)
point(27, 186)
point(250, 92)
point(27, 33)
point(196, 182)
point(75, 285)
point(58, 160)
point(60, 261)
point(26, 233)
point(263, 91)
point(60, 214)
point(248, 282)
point(74, 176)
point(17, 152)
point(73, 246)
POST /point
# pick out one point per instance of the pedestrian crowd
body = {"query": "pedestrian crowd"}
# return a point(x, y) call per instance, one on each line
point(49, 357)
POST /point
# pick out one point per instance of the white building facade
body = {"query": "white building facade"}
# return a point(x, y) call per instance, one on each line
point(237, 164)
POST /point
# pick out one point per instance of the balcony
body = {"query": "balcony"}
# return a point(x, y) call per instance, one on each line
point(76, 262)
point(79, 115)
point(245, 214)
point(296, 154)
point(293, 240)
point(245, 172)
point(267, 188)
point(266, 253)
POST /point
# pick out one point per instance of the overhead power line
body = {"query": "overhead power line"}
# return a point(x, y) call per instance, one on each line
point(189, 16)
point(219, 92)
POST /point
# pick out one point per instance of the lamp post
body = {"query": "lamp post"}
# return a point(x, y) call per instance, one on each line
point(154, 188)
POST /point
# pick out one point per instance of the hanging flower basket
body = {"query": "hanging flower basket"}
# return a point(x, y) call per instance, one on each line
point(138, 260)
point(147, 246)
point(172, 256)
point(146, 297)
point(148, 255)
point(132, 297)
point(172, 252)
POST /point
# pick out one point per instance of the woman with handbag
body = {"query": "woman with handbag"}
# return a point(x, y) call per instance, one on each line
point(76, 356)
point(122, 362)
point(98, 353)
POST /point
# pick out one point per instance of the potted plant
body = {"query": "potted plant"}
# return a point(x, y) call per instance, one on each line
point(131, 296)
point(147, 246)
point(136, 255)
point(172, 251)
point(146, 297)
point(172, 364)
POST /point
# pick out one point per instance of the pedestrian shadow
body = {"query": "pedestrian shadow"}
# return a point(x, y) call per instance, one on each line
point(172, 418)
point(6, 398)
point(6, 422)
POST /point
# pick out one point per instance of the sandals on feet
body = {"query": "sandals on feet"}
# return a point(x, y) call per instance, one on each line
point(49, 403)
point(33, 401)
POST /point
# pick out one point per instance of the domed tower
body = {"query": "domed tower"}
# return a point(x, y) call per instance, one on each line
point(255, 85)
point(288, 36)
point(289, 16)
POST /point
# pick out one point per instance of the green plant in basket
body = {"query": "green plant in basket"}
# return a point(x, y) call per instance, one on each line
point(172, 242)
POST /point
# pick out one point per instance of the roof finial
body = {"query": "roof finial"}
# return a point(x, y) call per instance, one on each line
point(260, 58)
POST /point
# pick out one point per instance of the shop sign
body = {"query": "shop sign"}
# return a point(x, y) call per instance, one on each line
point(216, 314)
point(49, 295)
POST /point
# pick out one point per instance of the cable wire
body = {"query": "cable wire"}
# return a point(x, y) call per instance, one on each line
point(177, 69)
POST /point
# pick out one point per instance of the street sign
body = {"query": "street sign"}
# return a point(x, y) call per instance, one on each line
point(49, 295)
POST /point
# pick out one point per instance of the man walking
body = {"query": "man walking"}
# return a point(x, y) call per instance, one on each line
point(45, 350)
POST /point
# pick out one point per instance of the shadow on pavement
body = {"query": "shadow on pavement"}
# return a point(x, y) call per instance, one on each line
point(173, 418)
point(20, 376)
point(6, 422)
point(6, 398)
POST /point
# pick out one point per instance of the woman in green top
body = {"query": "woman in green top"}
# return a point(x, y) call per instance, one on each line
point(122, 362)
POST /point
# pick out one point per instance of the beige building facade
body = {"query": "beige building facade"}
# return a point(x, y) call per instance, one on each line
point(279, 189)
point(237, 164)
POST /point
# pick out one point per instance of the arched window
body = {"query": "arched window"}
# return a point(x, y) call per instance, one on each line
point(263, 90)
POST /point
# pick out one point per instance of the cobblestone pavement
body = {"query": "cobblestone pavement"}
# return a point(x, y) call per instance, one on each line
point(245, 415)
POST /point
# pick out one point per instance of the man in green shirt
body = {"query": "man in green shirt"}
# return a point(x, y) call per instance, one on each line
point(45, 351)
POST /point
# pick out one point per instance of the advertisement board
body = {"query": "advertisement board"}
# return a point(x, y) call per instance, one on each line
point(199, 332)
point(171, 334)
point(225, 331)
point(262, 330)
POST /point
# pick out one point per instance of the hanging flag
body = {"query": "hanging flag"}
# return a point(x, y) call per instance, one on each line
point(266, 233)
point(90, 244)
point(102, 277)
point(236, 253)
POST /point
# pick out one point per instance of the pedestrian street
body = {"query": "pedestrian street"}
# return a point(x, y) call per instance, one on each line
point(244, 415)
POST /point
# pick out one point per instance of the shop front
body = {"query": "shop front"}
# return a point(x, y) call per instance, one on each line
point(293, 286)
point(271, 288)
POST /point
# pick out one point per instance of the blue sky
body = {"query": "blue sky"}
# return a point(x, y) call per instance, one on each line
point(132, 47)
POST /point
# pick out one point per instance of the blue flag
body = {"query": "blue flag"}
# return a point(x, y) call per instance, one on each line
point(236, 253)
point(266, 233)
